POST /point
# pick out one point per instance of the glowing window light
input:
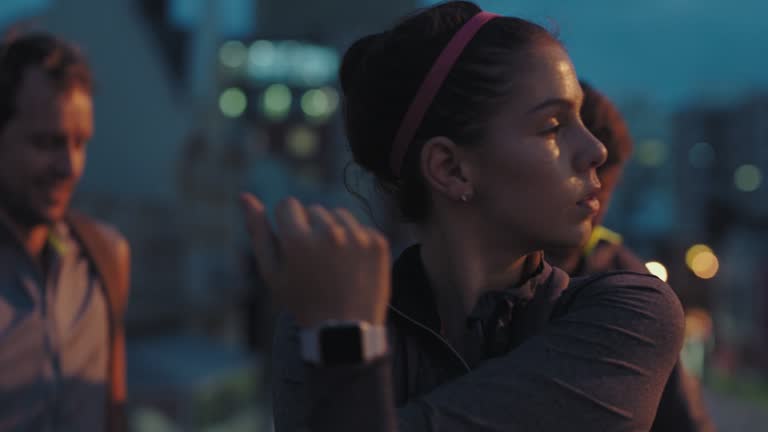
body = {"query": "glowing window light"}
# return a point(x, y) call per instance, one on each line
point(747, 178)
point(276, 102)
point(302, 142)
point(315, 103)
point(261, 54)
point(291, 62)
point(232, 102)
point(705, 265)
point(233, 54)
point(651, 153)
point(701, 155)
point(319, 104)
point(318, 65)
point(657, 269)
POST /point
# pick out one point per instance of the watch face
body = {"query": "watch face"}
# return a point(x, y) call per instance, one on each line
point(341, 345)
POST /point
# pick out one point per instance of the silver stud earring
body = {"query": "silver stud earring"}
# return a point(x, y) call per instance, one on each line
point(465, 198)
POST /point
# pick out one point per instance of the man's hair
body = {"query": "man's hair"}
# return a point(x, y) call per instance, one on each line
point(61, 61)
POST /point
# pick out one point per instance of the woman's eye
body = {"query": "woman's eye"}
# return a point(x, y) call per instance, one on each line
point(553, 127)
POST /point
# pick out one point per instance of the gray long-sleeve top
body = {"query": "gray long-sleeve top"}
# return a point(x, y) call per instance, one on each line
point(587, 354)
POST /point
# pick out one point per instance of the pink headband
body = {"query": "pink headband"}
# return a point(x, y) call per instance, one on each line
point(431, 85)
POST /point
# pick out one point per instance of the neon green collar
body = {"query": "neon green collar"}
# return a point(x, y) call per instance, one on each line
point(601, 233)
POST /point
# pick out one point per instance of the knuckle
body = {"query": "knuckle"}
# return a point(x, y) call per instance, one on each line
point(336, 234)
point(363, 240)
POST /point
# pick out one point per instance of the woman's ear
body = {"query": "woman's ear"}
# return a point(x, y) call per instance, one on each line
point(445, 167)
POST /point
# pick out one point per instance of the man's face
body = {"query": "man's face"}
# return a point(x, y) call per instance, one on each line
point(42, 150)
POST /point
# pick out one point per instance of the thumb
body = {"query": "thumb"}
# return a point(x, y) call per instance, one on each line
point(262, 238)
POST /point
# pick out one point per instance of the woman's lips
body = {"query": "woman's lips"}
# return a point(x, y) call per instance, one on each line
point(590, 203)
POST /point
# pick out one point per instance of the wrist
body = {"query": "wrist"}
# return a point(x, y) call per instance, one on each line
point(308, 321)
point(335, 343)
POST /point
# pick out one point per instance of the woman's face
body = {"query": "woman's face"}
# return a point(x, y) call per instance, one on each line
point(534, 175)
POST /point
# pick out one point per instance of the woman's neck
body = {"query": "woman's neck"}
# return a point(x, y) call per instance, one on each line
point(461, 267)
point(566, 259)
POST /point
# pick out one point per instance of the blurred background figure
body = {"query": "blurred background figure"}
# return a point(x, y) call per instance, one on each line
point(682, 406)
point(199, 99)
point(63, 276)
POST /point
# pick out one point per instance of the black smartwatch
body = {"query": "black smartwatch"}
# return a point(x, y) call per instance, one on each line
point(336, 343)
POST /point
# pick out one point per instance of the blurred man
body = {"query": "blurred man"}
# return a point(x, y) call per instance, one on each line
point(63, 276)
point(682, 408)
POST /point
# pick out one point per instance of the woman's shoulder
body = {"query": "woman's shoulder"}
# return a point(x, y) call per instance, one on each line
point(619, 279)
point(635, 292)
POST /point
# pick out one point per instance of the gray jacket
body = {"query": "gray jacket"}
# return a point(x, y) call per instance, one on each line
point(588, 354)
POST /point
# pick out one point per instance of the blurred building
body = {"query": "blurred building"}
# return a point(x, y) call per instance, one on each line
point(720, 162)
point(693, 197)
point(643, 208)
